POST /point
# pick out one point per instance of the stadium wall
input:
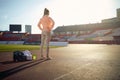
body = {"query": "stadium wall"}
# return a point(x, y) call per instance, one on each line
point(11, 42)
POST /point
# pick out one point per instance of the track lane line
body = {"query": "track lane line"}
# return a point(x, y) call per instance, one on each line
point(72, 71)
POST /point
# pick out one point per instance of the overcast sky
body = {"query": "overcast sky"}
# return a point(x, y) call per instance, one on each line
point(64, 12)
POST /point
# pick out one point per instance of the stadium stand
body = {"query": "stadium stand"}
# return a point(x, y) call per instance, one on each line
point(97, 33)
point(115, 32)
point(9, 36)
point(32, 39)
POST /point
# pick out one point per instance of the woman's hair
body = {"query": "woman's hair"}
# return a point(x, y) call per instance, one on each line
point(46, 11)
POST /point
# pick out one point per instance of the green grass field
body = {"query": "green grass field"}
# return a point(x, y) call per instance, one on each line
point(7, 48)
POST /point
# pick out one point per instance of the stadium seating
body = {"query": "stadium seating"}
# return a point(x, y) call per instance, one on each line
point(12, 36)
point(115, 32)
point(97, 36)
point(97, 33)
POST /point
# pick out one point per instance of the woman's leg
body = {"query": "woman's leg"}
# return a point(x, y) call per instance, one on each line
point(42, 45)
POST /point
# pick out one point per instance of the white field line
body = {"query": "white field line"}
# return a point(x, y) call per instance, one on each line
point(71, 71)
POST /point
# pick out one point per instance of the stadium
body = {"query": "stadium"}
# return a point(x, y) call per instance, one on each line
point(106, 32)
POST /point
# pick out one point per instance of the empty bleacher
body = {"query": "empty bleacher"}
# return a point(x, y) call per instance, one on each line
point(115, 32)
point(94, 36)
point(97, 33)
point(12, 36)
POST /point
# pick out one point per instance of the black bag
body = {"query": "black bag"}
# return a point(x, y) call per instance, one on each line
point(18, 56)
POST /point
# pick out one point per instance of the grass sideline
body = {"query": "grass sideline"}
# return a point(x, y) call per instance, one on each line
point(9, 48)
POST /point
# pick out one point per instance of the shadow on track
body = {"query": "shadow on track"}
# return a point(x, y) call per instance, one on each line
point(14, 70)
point(8, 62)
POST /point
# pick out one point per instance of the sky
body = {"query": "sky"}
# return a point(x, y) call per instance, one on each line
point(63, 12)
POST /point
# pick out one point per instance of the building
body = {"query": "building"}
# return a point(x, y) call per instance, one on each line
point(28, 28)
point(115, 19)
point(118, 13)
